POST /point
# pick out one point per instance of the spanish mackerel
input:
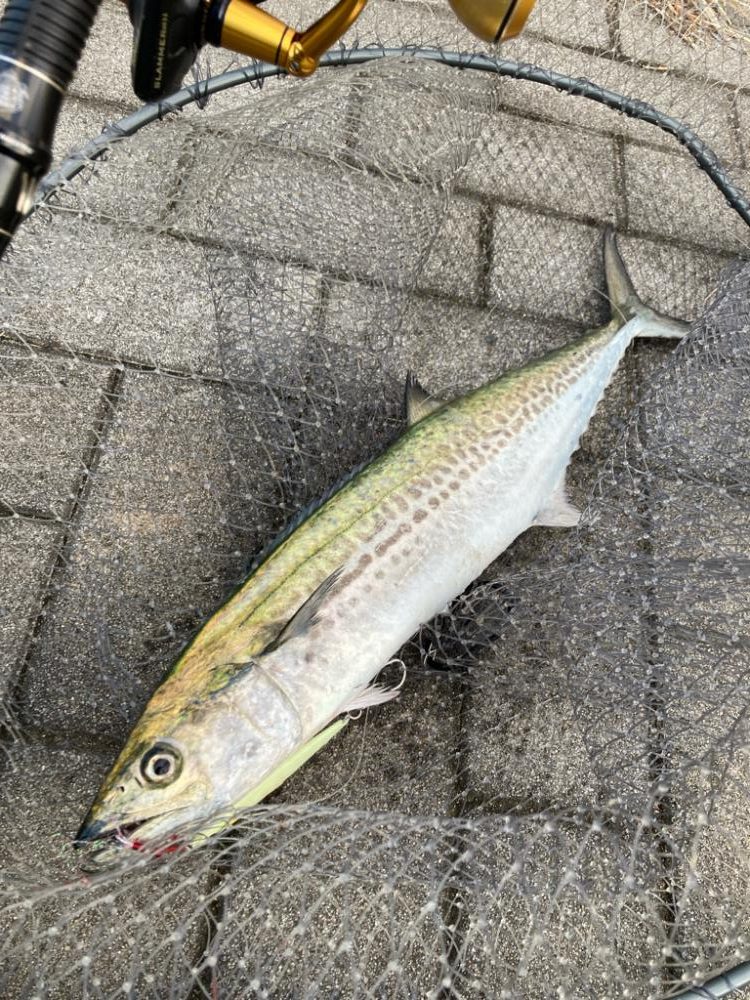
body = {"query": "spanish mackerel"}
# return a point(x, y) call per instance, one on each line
point(272, 675)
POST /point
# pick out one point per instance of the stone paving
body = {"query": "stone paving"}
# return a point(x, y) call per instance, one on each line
point(121, 399)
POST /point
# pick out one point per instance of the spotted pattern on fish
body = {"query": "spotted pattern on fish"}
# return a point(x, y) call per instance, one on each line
point(334, 597)
point(405, 488)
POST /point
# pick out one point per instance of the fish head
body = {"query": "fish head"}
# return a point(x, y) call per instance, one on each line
point(157, 788)
point(217, 736)
point(172, 780)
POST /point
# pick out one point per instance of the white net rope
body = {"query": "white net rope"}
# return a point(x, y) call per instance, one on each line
point(200, 333)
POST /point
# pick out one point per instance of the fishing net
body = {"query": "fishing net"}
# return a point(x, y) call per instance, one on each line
point(212, 321)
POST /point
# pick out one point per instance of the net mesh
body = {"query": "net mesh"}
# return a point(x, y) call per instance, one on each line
point(199, 333)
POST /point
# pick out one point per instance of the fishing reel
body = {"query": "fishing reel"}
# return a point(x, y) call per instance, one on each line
point(169, 33)
point(41, 42)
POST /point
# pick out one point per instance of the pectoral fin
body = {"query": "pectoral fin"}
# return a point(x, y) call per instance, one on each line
point(418, 403)
point(558, 512)
point(307, 615)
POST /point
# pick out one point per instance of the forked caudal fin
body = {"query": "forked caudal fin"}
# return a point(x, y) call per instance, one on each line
point(626, 304)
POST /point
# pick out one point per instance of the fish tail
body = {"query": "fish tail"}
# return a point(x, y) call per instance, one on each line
point(626, 304)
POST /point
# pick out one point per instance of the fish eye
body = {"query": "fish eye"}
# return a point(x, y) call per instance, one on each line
point(161, 764)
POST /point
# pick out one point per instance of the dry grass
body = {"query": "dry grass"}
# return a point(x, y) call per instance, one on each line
point(695, 21)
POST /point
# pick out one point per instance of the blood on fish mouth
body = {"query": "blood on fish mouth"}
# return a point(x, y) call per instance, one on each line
point(123, 835)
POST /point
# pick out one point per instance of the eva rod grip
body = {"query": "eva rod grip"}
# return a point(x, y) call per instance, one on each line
point(48, 35)
point(41, 42)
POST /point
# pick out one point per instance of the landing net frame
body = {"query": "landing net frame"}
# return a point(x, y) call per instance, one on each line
point(255, 74)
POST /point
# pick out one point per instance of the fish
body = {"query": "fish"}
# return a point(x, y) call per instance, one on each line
point(283, 664)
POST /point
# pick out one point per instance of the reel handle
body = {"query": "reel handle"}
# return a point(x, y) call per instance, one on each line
point(240, 25)
point(169, 33)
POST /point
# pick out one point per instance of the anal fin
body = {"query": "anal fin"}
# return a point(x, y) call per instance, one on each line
point(558, 512)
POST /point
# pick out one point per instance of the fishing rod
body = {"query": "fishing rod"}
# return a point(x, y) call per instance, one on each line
point(41, 42)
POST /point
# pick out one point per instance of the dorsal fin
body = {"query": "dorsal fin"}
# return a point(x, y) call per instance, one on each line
point(418, 403)
point(307, 615)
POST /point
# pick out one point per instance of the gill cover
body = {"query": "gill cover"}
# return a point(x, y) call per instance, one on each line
point(271, 782)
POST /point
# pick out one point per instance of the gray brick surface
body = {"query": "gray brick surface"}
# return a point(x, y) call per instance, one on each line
point(409, 232)
point(314, 114)
point(330, 920)
point(532, 739)
point(687, 426)
point(151, 558)
point(135, 182)
point(547, 265)
point(558, 169)
point(501, 157)
point(705, 107)
point(711, 558)
point(450, 346)
point(81, 120)
point(644, 36)
point(558, 908)
point(699, 525)
point(672, 279)
point(572, 22)
point(406, 110)
point(104, 70)
point(120, 294)
point(743, 116)
point(26, 554)
point(256, 332)
point(713, 911)
point(108, 939)
point(706, 704)
point(50, 407)
point(525, 748)
point(690, 206)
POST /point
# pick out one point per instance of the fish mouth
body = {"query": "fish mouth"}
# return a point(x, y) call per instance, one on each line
point(112, 842)
point(100, 833)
